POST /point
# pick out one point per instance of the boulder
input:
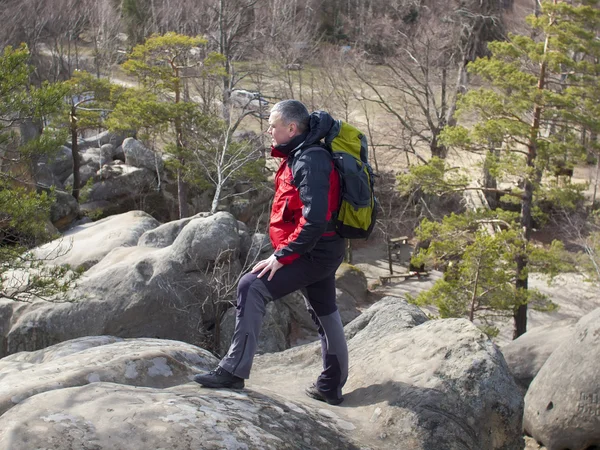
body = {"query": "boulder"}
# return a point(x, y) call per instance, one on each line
point(137, 362)
point(353, 281)
point(164, 235)
point(105, 137)
point(86, 171)
point(64, 210)
point(526, 355)
point(205, 240)
point(102, 393)
point(120, 181)
point(439, 384)
point(107, 153)
point(44, 177)
point(61, 164)
point(85, 245)
point(139, 156)
point(136, 291)
point(562, 405)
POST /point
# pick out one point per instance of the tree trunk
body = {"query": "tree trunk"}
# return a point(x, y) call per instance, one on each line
point(489, 181)
point(215, 201)
point(520, 315)
point(438, 150)
point(182, 196)
point(182, 189)
point(75, 153)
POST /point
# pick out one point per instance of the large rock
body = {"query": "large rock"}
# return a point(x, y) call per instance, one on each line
point(86, 172)
point(120, 181)
point(526, 355)
point(98, 393)
point(204, 240)
point(352, 280)
point(139, 156)
point(255, 248)
point(64, 210)
point(100, 139)
point(562, 405)
point(85, 245)
point(61, 164)
point(425, 384)
point(138, 291)
point(165, 234)
point(136, 362)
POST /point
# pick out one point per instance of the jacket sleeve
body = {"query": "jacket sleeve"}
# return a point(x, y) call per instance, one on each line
point(311, 171)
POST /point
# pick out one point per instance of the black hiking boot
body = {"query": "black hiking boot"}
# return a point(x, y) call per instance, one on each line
point(219, 378)
point(313, 392)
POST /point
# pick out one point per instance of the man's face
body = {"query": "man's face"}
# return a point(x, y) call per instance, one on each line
point(280, 133)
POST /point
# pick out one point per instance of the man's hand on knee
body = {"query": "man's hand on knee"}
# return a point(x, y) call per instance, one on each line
point(267, 265)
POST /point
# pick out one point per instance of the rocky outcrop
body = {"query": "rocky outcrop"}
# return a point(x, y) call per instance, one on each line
point(414, 384)
point(526, 355)
point(136, 362)
point(130, 290)
point(428, 385)
point(64, 210)
point(85, 245)
point(562, 405)
point(137, 155)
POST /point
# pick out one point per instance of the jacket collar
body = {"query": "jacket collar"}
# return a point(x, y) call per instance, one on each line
point(285, 150)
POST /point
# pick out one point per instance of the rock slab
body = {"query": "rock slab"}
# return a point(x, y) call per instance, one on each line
point(562, 405)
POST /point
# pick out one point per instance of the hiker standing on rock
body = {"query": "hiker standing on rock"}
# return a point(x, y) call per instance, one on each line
point(307, 254)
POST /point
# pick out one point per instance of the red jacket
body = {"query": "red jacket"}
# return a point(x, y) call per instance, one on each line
point(307, 193)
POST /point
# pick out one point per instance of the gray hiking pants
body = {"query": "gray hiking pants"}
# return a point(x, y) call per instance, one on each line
point(314, 274)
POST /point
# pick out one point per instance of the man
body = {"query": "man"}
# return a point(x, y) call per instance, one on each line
point(307, 253)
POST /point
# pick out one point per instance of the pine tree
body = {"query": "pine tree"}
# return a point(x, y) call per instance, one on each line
point(24, 212)
point(532, 107)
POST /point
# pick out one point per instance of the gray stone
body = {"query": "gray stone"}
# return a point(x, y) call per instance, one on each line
point(87, 244)
point(129, 290)
point(86, 172)
point(105, 137)
point(526, 355)
point(164, 235)
point(107, 153)
point(120, 180)
point(64, 210)
point(562, 405)
point(353, 281)
point(136, 394)
point(206, 240)
point(44, 177)
point(429, 385)
point(139, 156)
point(61, 164)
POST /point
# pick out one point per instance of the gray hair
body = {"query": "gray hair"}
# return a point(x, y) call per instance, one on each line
point(293, 111)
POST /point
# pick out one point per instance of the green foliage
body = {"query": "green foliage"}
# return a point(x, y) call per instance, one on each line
point(24, 213)
point(159, 62)
point(537, 98)
point(434, 177)
point(480, 268)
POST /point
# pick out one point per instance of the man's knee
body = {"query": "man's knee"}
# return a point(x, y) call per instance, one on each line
point(244, 284)
point(251, 289)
